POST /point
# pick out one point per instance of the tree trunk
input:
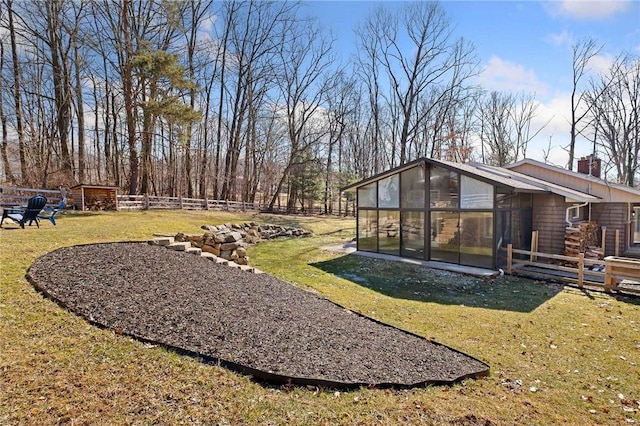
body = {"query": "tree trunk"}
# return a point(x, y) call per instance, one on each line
point(17, 96)
point(127, 83)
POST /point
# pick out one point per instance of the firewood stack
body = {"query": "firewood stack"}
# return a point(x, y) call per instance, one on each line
point(582, 237)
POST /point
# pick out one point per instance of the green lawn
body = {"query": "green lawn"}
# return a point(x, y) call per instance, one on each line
point(557, 356)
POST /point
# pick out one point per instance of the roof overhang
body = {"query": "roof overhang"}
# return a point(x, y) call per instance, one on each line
point(498, 176)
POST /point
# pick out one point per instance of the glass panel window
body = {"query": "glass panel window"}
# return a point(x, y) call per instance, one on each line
point(412, 188)
point(367, 195)
point(412, 226)
point(388, 192)
point(443, 188)
point(389, 232)
point(444, 236)
point(475, 194)
point(476, 239)
point(504, 197)
point(367, 230)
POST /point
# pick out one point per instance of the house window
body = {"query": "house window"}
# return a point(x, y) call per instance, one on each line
point(576, 212)
point(412, 229)
point(445, 236)
point(475, 194)
point(368, 230)
point(389, 192)
point(412, 188)
point(367, 195)
point(476, 239)
point(389, 232)
point(443, 186)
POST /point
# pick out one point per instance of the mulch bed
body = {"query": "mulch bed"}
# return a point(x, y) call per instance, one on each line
point(253, 323)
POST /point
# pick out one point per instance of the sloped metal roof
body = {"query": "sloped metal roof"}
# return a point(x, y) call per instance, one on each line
point(495, 175)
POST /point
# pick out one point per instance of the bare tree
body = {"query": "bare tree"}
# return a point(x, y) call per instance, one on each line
point(305, 55)
point(434, 60)
point(17, 90)
point(614, 102)
point(583, 51)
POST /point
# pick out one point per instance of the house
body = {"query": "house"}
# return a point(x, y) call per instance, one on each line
point(617, 207)
point(464, 213)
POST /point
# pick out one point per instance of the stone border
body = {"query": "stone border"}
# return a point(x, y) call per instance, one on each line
point(170, 243)
point(226, 244)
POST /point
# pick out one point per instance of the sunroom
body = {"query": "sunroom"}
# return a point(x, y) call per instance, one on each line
point(443, 211)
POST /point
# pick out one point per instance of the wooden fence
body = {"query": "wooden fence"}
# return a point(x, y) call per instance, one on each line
point(11, 196)
point(600, 274)
point(150, 202)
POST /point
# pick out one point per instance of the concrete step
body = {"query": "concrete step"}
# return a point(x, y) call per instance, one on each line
point(169, 242)
point(162, 241)
point(179, 246)
point(233, 264)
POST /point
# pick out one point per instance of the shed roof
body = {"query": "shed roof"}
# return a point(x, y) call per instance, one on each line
point(494, 175)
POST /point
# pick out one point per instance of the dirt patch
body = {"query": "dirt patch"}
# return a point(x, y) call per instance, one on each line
point(254, 323)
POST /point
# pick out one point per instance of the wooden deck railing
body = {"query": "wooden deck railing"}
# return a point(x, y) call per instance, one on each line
point(603, 274)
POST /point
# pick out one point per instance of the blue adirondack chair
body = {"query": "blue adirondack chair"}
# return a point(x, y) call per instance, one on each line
point(28, 214)
point(52, 215)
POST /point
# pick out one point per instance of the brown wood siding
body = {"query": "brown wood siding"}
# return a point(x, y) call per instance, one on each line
point(578, 182)
point(549, 220)
point(615, 217)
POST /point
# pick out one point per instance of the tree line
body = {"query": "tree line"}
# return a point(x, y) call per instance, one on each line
point(246, 100)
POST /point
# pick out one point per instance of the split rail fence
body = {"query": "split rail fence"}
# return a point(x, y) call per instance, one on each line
point(12, 196)
point(579, 271)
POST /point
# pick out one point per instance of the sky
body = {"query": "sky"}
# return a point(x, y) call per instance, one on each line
point(522, 46)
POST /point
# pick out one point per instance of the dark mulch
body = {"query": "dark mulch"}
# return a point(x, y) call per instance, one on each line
point(252, 322)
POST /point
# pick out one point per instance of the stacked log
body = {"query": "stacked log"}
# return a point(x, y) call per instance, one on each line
point(582, 237)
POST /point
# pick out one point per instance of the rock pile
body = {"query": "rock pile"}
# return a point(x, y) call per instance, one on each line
point(230, 241)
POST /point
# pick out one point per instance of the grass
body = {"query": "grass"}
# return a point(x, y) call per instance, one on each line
point(557, 356)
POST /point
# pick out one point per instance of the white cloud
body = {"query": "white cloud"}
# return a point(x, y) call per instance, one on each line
point(564, 38)
point(601, 64)
point(589, 9)
point(502, 75)
point(553, 140)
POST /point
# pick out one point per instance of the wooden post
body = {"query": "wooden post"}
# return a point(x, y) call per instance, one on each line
point(609, 278)
point(604, 241)
point(580, 269)
point(617, 247)
point(509, 258)
point(146, 201)
point(534, 246)
point(180, 202)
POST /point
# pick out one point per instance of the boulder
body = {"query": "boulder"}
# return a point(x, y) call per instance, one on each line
point(230, 246)
point(211, 249)
point(232, 237)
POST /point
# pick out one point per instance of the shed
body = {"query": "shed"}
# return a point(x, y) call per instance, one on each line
point(94, 197)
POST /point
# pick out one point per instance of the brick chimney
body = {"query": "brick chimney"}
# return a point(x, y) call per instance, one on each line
point(596, 164)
